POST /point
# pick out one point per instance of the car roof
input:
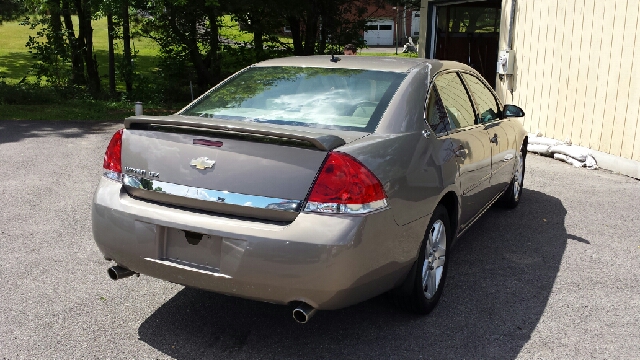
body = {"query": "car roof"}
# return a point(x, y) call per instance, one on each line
point(378, 63)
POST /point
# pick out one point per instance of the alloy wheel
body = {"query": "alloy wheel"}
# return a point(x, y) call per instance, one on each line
point(434, 259)
point(518, 177)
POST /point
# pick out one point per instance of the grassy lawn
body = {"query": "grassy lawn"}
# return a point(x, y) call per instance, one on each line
point(16, 61)
point(229, 29)
point(77, 110)
point(400, 54)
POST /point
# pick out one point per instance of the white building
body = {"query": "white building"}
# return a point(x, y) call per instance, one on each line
point(573, 70)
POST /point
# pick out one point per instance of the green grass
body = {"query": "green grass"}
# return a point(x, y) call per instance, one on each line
point(16, 61)
point(145, 51)
point(77, 110)
point(400, 54)
point(229, 29)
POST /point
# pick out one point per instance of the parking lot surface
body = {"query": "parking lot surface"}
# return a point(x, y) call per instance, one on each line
point(558, 277)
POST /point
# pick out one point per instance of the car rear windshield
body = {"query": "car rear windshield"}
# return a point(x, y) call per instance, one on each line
point(328, 98)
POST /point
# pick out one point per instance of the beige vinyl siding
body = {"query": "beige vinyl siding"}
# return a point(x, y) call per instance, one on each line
point(575, 76)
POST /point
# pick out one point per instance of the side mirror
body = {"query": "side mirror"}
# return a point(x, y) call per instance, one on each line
point(512, 111)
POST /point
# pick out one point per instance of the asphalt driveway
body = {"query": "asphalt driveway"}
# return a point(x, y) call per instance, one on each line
point(556, 278)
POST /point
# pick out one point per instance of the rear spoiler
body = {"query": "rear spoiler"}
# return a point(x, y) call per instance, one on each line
point(325, 142)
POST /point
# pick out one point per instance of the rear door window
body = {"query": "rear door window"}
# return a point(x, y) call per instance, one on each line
point(449, 106)
point(486, 103)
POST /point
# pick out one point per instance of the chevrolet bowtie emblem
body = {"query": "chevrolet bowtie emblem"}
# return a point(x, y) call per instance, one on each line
point(202, 163)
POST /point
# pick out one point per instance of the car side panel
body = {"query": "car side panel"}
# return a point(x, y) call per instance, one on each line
point(474, 170)
point(502, 153)
point(413, 170)
point(405, 113)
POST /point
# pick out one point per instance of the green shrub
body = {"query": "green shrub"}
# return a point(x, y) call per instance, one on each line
point(28, 93)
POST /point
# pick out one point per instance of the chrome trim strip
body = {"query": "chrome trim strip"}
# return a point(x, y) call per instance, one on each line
point(180, 266)
point(348, 209)
point(225, 197)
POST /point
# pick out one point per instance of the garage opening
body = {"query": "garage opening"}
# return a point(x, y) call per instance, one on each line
point(467, 32)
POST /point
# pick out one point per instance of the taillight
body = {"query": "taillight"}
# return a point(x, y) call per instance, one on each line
point(346, 186)
point(112, 157)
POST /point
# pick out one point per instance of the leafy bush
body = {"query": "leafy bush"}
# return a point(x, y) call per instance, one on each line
point(25, 93)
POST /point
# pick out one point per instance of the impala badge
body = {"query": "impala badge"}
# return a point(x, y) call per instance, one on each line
point(202, 163)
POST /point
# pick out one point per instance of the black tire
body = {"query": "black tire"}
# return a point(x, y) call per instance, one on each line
point(511, 197)
point(412, 295)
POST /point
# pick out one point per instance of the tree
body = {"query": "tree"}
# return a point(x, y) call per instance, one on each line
point(111, 32)
point(127, 67)
point(49, 45)
point(11, 9)
point(56, 43)
point(118, 17)
point(262, 18)
point(85, 15)
point(76, 45)
point(316, 24)
point(187, 30)
point(413, 5)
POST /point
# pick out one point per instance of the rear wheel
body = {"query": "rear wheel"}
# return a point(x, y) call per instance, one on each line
point(511, 197)
point(430, 270)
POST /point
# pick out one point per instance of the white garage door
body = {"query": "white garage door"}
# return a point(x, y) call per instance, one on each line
point(379, 32)
point(415, 23)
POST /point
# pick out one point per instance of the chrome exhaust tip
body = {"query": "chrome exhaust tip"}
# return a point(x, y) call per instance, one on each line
point(303, 313)
point(118, 272)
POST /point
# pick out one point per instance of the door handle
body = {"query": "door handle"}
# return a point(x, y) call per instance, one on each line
point(494, 139)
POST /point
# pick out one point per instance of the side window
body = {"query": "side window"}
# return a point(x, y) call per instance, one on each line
point(488, 109)
point(437, 116)
point(449, 97)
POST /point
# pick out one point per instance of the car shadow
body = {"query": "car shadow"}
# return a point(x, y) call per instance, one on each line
point(501, 274)
point(17, 130)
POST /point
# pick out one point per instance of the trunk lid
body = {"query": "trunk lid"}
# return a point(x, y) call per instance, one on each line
point(250, 170)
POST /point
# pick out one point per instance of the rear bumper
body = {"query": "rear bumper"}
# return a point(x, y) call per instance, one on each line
point(327, 261)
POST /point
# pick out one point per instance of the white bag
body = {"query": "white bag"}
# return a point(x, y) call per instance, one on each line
point(568, 159)
point(539, 140)
point(537, 148)
point(576, 152)
point(591, 163)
